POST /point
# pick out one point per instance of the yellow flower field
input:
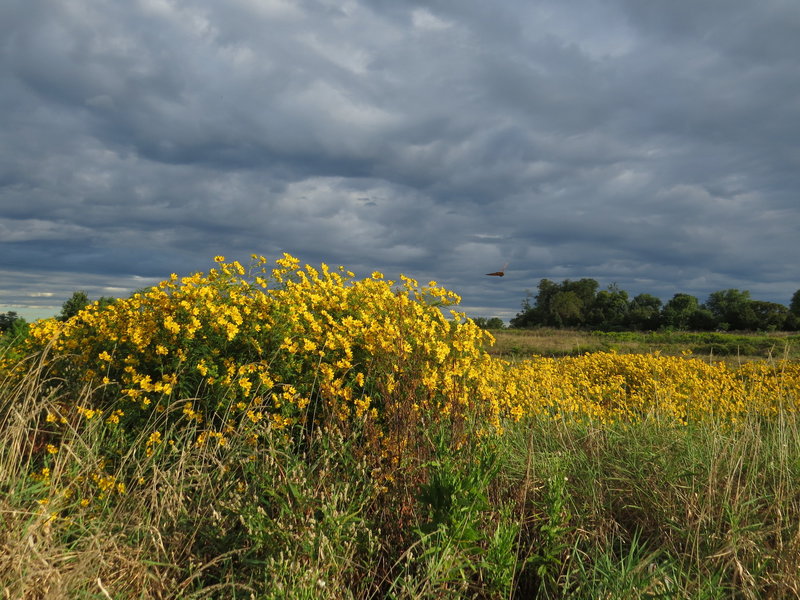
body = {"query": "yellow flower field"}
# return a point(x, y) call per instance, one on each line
point(607, 386)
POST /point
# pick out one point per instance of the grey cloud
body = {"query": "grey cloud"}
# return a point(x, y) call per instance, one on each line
point(651, 144)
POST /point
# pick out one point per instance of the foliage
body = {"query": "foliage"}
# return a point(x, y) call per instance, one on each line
point(7, 320)
point(463, 543)
point(644, 312)
point(559, 305)
point(492, 323)
point(794, 306)
point(13, 330)
point(610, 308)
point(732, 309)
point(579, 304)
point(770, 316)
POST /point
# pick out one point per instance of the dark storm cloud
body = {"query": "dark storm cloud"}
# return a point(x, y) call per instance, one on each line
point(649, 144)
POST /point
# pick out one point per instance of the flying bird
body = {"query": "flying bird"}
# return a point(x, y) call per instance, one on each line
point(500, 273)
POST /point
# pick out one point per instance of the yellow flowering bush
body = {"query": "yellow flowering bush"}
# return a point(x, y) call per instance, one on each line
point(247, 351)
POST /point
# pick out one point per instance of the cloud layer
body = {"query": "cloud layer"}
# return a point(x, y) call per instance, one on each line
point(654, 144)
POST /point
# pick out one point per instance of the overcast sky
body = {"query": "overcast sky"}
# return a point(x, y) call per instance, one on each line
point(653, 144)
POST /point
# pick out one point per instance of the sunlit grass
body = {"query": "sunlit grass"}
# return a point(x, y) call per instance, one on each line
point(730, 347)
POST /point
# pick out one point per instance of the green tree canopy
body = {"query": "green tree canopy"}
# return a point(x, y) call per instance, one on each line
point(13, 330)
point(492, 323)
point(558, 304)
point(579, 304)
point(678, 312)
point(732, 309)
point(610, 308)
point(644, 312)
point(794, 306)
point(769, 316)
point(566, 309)
point(7, 320)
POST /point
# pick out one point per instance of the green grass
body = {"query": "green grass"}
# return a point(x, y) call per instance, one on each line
point(646, 510)
point(715, 345)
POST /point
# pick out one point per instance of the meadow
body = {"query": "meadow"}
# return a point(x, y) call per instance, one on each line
point(732, 347)
point(289, 431)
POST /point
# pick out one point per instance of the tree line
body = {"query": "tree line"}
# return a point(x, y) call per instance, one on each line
point(581, 304)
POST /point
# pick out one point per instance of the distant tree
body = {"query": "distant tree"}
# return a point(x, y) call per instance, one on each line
point(13, 329)
point(492, 323)
point(678, 312)
point(534, 313)
point(495, 323)
point(7, 320)
point(732, 309)
point(769, 316)
point(558, 305)
point(585, 289)
point(644, 312)
point(702, 320)
point(542, 309)
point(565, 310)
point(579, 304)
point(561, 304)
point(526, 316)
point(794, 306)
point(609, 310)
point(793, 318)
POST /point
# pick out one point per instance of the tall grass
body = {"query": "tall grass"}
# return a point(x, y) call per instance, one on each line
point(294, 521)
point(647, 509)
point(553, 508)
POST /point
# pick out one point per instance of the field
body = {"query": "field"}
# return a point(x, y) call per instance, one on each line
point(730, 347)
point(294, 432)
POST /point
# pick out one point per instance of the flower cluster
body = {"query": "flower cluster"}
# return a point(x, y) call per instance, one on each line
point(249, 351)
point(606, 386)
